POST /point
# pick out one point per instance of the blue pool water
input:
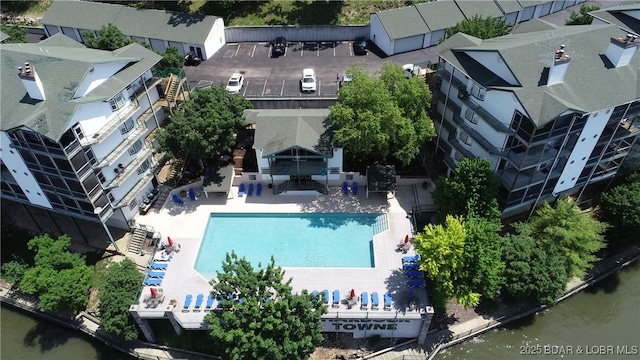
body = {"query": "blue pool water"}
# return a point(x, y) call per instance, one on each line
point(294, 240)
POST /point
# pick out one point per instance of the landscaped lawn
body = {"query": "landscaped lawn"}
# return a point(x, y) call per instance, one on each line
point(287, 12)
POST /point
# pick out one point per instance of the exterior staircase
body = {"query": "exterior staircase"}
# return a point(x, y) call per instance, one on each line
point(136, 241)
point(428, 159)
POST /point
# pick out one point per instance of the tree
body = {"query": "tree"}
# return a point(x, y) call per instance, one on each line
point(17, 33)
point(109, 38)
point(531, 272)
point(441, 248)
point(373, 121)
point(472, 190)
point(582, 17)
point(482, 268)
point(60, 278)
point(566, 229)
point(262, 319)
point(171, 58)
point(621, 209)
point(482, 28)
point(205, 124)
point(119, 292)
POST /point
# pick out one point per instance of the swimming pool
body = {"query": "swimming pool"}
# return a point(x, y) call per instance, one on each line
point(294, 240)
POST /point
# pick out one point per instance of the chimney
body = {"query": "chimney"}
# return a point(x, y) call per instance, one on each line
point(620, 51)
point(31, 81)
point(558, 66)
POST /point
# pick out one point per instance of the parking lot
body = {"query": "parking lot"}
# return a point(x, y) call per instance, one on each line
point(267, 76)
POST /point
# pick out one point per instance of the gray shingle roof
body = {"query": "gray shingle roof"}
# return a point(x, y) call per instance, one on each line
point(535, 24)
point(509, 6)
point(617, 15)
point(439, 15)
point(470, 8)
point(157, 24)
point(281, 129)
point(588, 85)
point(403, 22)
point(528, 3)
point(61, 66)
point(3, 36)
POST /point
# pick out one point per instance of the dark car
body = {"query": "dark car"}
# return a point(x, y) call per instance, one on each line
point(192, 59)
point(360, 46)
point(279, 46)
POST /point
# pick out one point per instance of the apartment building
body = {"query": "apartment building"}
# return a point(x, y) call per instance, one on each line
point(77, 128)
point(554, 109)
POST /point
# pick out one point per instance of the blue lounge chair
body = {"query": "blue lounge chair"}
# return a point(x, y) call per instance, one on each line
point(387, 301)
point(411, 259)
point(155, 274)
point(413, 274)
point(187, 303)
point(199, 300)
point(375, 301)
point(152, 282)
point(345, 188)
point(192, 194)
point(250, 193)
point(416, 283)
point(354, 188)
point(259, 189)
point(241, 190)
point(158, 266)
point(325, 296)
point(209, 304)
point(177, 199)
point(364, 303)
point(315, 293)
point(336, 298)
point(410, 266)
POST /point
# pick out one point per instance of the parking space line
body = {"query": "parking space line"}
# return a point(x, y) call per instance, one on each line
point(319, 87)
point(318, 49)
point(254, 50)
point(285, 49)
point(282, 88)
point(302, 49)
point(350, 50)
point(264, 87)
point(238, 48)
point(335, 45)
point(246, 86)
point(269, 53)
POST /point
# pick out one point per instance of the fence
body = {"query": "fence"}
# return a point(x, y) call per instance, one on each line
point(295, 33)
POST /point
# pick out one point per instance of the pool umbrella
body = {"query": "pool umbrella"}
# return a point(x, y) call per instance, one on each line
point(170, 241)
point(154, 292)
point(406, 239)
point(353, 293)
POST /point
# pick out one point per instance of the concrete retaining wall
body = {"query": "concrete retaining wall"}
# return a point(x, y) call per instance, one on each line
point(295, 33)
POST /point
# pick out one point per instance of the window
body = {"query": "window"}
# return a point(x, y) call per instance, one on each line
point(252, 177)
point(478, 92)
point(117, 102)
point(78, 131)
point(465, 138)
point(101, 177)
point(471, 116)
point(145, 165)
point(91, 156)
point(334, 170)
point(133, 204)
point(135, 147)
point(265, 170)
point(126, 126)
point(111, 198)
point(349, 177)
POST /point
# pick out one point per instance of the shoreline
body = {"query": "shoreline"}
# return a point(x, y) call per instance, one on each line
point(436, 340)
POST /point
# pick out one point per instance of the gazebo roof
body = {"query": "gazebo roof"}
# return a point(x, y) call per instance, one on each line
point(381, 178)
point(218, 179)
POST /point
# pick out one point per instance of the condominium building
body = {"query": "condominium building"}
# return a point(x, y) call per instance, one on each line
point(77, 128)
point(554, 109)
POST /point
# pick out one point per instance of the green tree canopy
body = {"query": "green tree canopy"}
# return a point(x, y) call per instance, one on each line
point(384, 116)
point(59, 278)
point(621, 209)
point(17, 33)
point(566, 229)
point(472, 190)
point(532, 273)
point(262, 318)
point(119, 292)
point(109, 38)
point(205, 124)
point(171, 58)
point(582, 17)
point(482, 28)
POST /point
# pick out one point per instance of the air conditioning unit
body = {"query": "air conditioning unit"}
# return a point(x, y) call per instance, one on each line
point(463, 94)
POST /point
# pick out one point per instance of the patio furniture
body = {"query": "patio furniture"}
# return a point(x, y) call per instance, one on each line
point(375, 301)
point(177, 199)
point(410, 266)
point(413, 274)
point(209, 304)
point(199, 300)
point(364, 305)
point(187, 303)
point(155, 274)
point(387, 301)
point(416, 283)
point(336, 299)
point(192, 194)
point(354, 188)
point(259, 189)
point(411, 259)
point(345, 188)
point(241, 190)
point(250, 193)
point(158, 266)
point(152, 282)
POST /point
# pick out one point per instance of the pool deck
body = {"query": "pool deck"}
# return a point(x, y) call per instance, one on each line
point(186, 225)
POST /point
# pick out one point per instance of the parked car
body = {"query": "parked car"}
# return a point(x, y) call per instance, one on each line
point(192, 59)
point(235, 83)
point(360, 46)
point(279, 47)
point(308, 82)
point(345, 79)
point(412, 70)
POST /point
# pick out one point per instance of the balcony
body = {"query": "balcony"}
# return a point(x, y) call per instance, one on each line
point(446, 75)
point(477, 137)
point(119, 150)
point(149, 84)
point(133, 193)
point(127, 170)
point(513, 179)
point(292, 167)
point(535, 156)
point(120, 116)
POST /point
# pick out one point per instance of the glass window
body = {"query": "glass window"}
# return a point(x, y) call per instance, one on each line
point(28, 156)
point(478, 92)
point(101, 177)
point(31, 138)
point(127, 126)
point(45, 161)
point(111, 198)
point(145, 165)
point(90, 182)
point(91, 156)
point(135, 147)
point(471, 116)
point(133, 204)
point(465, 138)
point(79, 160)
point(63, 164)
point(117, 102)
point(78, 131)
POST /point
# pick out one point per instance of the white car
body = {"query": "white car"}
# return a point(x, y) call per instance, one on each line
point(412, 70)
point(235, 83)
point(308, 82)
